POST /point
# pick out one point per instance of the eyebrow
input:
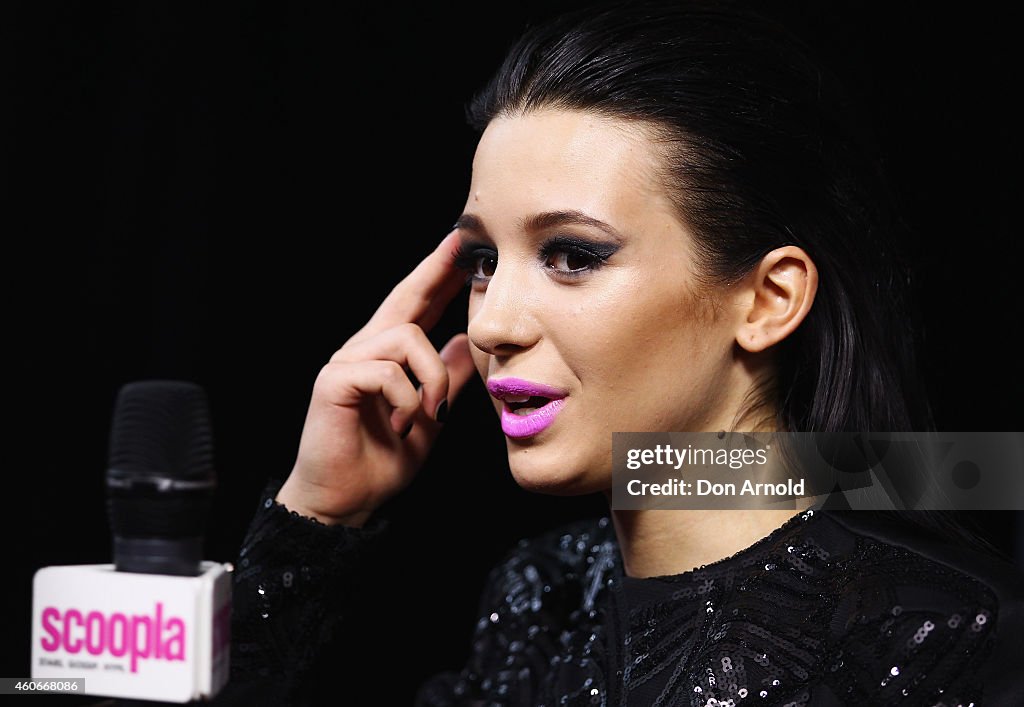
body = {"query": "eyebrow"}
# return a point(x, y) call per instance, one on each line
point(538, 222)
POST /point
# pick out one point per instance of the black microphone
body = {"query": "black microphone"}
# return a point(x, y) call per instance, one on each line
point(160, 479)
point(155, 624)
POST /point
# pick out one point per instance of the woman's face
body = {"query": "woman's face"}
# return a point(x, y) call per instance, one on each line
point(585, 282)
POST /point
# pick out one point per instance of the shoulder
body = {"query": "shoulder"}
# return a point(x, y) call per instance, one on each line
point(888, 552)
point(922, 613)
point(568, 548)
point(564, 565)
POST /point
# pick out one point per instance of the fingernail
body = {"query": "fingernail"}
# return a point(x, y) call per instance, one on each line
point(407, 430)
point(441, 415)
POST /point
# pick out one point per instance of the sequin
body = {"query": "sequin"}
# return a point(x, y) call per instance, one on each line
point(562, 625)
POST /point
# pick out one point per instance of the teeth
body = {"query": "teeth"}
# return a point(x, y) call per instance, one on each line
point(516, 398)
point(523, 411)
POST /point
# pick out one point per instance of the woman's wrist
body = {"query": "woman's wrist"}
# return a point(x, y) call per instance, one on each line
point(292, 499)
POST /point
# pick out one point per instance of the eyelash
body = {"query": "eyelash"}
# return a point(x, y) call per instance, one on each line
point(466, 258)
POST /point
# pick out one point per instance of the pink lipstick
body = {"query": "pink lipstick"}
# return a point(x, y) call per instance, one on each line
point(529, 408)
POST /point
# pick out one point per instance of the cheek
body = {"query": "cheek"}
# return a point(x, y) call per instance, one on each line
point(625, 320)
point(479, 357)
point(638, 340)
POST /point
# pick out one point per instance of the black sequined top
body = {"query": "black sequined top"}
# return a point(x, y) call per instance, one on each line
point(832, 608)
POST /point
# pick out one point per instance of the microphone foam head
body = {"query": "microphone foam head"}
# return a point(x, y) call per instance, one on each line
point(161, 430)
point(161, 479)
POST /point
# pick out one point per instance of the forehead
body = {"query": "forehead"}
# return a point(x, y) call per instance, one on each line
point(563, 159)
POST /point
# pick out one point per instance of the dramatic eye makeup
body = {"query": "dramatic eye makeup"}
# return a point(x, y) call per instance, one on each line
point(568, 257)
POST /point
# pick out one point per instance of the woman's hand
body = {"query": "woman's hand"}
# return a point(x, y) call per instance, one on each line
point(353, 455)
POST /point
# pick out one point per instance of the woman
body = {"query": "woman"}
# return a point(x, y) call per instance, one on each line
point(674, 223)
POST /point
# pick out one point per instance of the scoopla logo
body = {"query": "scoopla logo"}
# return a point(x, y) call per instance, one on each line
point(147, 637)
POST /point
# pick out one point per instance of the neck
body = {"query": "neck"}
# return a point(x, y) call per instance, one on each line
point(655, 543)
point(660, 542)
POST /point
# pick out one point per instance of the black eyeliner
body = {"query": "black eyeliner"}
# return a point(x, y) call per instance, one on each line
point(467, 253)
point(582, 246)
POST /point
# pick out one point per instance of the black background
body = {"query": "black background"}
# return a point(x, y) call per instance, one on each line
point(224, 193)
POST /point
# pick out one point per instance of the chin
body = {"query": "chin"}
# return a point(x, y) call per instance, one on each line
point(539, 471)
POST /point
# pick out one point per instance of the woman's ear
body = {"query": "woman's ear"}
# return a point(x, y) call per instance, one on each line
point(776, 297)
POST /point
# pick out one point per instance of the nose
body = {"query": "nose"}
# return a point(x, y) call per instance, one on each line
point(504, 320)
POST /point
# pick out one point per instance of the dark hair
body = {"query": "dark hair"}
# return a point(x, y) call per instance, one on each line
point(763, 148)
point(762, 151)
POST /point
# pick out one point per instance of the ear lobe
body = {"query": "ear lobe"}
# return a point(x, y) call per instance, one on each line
point(778, 295)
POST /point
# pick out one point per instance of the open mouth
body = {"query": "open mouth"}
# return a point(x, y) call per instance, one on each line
point(527, 415)
point(526, 405)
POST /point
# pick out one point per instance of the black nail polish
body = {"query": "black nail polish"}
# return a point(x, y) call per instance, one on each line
point(442, 412)
point(407, 430)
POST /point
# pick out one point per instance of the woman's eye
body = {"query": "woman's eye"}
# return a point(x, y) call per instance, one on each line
point(571, 260)
point(485, 266)
point(564, 259)
point(478, 264)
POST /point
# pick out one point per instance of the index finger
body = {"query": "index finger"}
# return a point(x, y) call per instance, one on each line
point(423, 294)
